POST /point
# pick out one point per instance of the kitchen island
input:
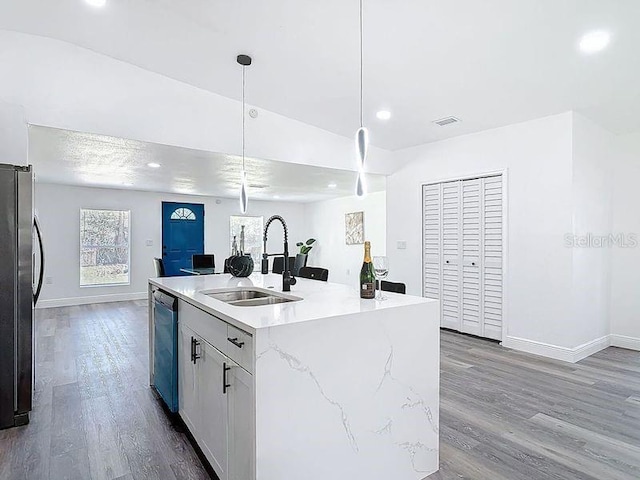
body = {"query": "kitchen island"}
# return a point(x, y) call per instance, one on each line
point(320, 384)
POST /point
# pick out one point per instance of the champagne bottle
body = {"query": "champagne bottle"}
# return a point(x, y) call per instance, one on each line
point(367, 276)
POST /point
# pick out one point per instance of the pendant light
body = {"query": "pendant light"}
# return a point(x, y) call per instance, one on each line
point(362, 135)
point(244, 61)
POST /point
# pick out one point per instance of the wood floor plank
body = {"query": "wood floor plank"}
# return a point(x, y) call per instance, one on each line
point(505, 415)
point(582, 427)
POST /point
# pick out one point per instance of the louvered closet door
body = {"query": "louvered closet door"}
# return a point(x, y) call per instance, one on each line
point(451, 234)
point(432, 225)
point(463, 249)
point(492, 251)
point(471, 264)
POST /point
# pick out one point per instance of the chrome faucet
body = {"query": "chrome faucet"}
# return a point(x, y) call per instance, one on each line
point(287, 278)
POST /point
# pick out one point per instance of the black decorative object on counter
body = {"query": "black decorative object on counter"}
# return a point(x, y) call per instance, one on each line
point(239, 265)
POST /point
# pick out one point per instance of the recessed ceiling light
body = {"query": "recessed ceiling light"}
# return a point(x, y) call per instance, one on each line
point(332, 185)
point(96, 3)
point(276, 196)
point(153, 165)
point(383, 115)
point(596, 41)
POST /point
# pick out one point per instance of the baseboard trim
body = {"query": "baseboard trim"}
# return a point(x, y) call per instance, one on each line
point(622, 341)
point(587, 349)
point(69, 302)
point(565, 354)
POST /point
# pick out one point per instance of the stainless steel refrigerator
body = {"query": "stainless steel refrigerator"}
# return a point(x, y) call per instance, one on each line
point(19, 291)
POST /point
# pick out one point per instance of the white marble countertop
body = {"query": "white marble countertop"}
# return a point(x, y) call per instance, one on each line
point(319, 299)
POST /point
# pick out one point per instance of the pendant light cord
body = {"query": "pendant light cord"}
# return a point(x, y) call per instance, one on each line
point(361, 67)
point(243, 121)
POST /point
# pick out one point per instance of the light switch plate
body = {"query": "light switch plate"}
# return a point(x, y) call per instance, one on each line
point(149, 243)
point(401, 245)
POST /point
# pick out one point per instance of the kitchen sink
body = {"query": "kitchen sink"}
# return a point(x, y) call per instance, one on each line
point(249, 297)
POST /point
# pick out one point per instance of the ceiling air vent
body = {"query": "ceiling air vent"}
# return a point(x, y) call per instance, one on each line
point(443, 122)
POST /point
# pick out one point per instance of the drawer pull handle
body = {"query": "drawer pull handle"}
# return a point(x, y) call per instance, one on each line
point(236, 342)
point(225, 385)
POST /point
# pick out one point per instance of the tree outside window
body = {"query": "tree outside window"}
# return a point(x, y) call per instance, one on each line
point(104, 247)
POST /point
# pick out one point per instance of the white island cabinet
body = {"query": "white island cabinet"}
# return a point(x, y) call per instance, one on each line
point(324, 386)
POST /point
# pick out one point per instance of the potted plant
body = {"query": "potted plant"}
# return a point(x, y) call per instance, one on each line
point(301, 258)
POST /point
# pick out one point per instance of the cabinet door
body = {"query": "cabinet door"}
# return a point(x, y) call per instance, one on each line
point(241, 424)
point(187, 380)
point(212, 405)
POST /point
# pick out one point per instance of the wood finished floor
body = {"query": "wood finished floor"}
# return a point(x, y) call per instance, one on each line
point(504, 415)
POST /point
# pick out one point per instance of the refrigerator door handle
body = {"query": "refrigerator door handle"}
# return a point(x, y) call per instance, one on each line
point(36, 294)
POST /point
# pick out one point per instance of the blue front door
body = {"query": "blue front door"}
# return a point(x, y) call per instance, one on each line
point(182, 235)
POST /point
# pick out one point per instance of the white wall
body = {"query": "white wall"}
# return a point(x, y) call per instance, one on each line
point(625, 281)
point(58, 208)
point(14, 136)
point(95, 93)
point(537, 158)
point(325, 221)
point(592, 214)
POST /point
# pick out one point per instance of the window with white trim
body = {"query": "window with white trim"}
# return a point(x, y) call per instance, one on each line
point(104, 247)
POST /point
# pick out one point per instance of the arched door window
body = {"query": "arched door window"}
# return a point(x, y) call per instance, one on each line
point(183, 214)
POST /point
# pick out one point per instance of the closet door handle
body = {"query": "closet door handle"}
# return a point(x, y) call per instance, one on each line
point(192, 350)
point(225, 385)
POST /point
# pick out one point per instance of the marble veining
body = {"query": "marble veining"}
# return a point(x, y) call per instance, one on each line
point(377, 375)
point(299, 366)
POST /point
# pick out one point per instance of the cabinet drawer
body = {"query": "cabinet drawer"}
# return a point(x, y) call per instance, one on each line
point(205, 325)
point(239, 347)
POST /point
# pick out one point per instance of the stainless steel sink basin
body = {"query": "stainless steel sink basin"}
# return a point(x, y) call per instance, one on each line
point(249, 297)
point(256, 302)
point(235, 295)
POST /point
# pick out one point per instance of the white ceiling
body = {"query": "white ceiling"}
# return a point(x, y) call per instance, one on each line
point(75, 158)
point(489, 63)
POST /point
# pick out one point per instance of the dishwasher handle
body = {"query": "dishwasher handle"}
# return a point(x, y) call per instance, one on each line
point(166, 300)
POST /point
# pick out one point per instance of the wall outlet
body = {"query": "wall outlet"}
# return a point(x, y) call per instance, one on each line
point(48, 280)
point(149, 243)
point(348, 271)
point(401, 245)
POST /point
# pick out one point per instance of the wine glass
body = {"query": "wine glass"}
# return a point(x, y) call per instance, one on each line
point(381, 270)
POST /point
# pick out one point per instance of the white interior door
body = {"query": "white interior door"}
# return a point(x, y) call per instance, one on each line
point(463, 249)
point(470, 285)
point(451, 236)
point(432, 232)
point(492, 254)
